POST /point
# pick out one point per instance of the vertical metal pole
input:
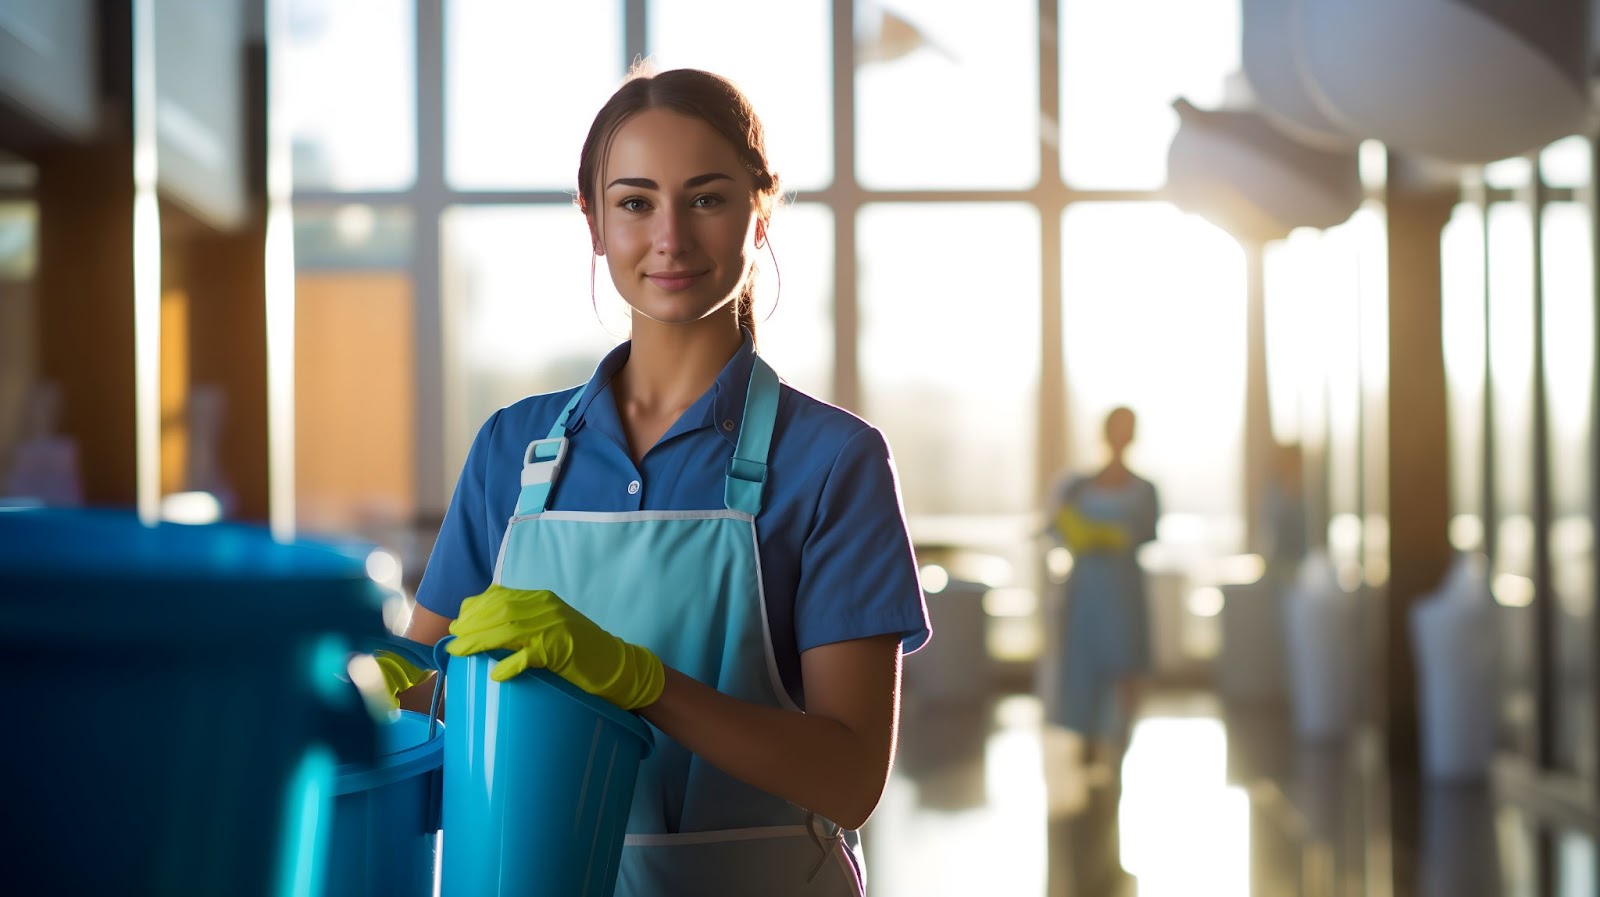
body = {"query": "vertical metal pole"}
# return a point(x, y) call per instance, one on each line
point(431, 325)
point(1546, 620)
point(847, 200)
point(1053, 447)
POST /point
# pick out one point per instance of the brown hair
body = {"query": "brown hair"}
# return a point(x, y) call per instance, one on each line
point(710, 98)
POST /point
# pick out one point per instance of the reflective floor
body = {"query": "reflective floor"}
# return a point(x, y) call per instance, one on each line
point(986, 800)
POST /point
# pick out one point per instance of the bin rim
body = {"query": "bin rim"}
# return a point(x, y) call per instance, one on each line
point(395, 766)
point(627, 720)
point(111, 564)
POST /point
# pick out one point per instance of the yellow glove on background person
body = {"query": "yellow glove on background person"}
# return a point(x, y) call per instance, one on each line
point(1082, 534)
point(544, 631)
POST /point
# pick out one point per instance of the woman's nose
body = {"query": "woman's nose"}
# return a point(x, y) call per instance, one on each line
point(673, 235)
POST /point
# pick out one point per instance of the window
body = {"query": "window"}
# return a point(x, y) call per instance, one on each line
point(947, 96)
point(519, 315)
point(1167, 340)
point(350, 73)
point(948, 364)
point(1122, 65)
point(523, 81)
point(778, 54)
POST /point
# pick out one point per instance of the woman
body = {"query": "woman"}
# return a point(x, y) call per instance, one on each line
point(1103, 518)
point(759, 625)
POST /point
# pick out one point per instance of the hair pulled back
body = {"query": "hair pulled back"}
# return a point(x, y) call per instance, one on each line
point(710, 98)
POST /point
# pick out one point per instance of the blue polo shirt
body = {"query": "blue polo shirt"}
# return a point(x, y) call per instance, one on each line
point(836, 560)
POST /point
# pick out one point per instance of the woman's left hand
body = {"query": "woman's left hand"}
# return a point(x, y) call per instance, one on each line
point(544, 631)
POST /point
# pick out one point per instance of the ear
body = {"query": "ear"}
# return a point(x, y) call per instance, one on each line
point(761, 232)
point(595, 244)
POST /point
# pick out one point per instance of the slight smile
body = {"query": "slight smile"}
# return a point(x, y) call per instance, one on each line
point(673, 281)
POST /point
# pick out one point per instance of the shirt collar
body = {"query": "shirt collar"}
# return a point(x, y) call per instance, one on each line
point(721, 407)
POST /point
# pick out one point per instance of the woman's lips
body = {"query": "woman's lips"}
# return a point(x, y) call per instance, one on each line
point(673, 281)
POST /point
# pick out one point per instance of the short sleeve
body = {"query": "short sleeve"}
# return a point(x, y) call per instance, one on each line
point(462, 562)
point(858, 573)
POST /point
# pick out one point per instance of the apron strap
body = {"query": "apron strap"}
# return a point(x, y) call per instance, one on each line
point(541, 464)
point(747, 469)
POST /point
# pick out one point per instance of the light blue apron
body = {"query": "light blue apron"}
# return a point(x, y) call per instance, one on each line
point(686, 584)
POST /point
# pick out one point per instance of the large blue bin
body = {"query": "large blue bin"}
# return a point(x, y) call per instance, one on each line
point(178, 706)
point(386, 816)
point(538, 781)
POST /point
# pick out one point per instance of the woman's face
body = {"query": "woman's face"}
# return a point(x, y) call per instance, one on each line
point(676, 218)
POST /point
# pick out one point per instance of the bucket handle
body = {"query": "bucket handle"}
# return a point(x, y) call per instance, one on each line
point(438, 660)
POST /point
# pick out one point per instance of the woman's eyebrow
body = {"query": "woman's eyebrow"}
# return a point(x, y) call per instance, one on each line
point(647, 184)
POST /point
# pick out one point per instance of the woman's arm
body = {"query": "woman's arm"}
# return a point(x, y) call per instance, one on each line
point(426, 627)
point(832, 760)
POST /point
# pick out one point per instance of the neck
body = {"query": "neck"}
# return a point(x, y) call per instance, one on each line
point(670, 366)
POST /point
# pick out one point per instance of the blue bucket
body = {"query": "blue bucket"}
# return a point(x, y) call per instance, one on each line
point(183, 710)
point(538, 781)
point(386, 815)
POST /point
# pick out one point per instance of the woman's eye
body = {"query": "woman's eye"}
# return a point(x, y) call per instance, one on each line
point(633, 205)
point(707, 201)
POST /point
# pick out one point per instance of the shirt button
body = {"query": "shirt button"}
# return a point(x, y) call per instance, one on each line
point(727, 425)
point(633, 488)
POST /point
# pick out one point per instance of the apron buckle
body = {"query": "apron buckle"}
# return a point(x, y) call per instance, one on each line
point(538, 466)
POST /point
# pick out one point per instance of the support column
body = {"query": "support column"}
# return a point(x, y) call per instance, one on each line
point(1258, 439)
point(1419, 462)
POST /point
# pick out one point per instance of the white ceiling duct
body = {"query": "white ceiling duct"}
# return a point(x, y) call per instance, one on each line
point(1270, 48)
point(1238, 171)
point(1459, 80)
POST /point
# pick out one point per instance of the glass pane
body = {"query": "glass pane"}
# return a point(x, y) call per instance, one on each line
point(1168, 341)
point(516, 119)
point(1297, 365)
point(1344, 344)
point(1511, 337)
point(794, 308)
point(1365, 232)
point(948, 96)
point(351, 73)
point(789, 81)
point(951, 336)
point(1575, 864)
point(352, 237)
point(1292, 338)
point(1569, 371)
point(1566, 163)
point(1508, 174)
point(1122, 65)
point(516, 286)
point(19, 239)
point(1462, 313)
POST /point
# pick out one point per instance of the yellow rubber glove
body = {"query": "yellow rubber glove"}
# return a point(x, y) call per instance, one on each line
point(1083, 535)
point(399, 674)
point(544, 631)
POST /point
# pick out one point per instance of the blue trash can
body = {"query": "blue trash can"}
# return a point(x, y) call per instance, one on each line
point(178, 708)
point(386, 815)
point(538, 781)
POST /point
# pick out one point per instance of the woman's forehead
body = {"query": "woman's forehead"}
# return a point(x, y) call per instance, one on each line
point(669, 148)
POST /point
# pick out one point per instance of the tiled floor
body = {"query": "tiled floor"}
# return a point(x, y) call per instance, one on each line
point(984, 800)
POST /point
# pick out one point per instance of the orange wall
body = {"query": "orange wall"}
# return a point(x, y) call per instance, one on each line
point(353, 401)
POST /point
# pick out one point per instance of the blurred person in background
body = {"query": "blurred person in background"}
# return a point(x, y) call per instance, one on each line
point(1102, 518)
point(691, 539)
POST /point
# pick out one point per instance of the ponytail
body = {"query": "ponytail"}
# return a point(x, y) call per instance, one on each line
point(745, 306)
